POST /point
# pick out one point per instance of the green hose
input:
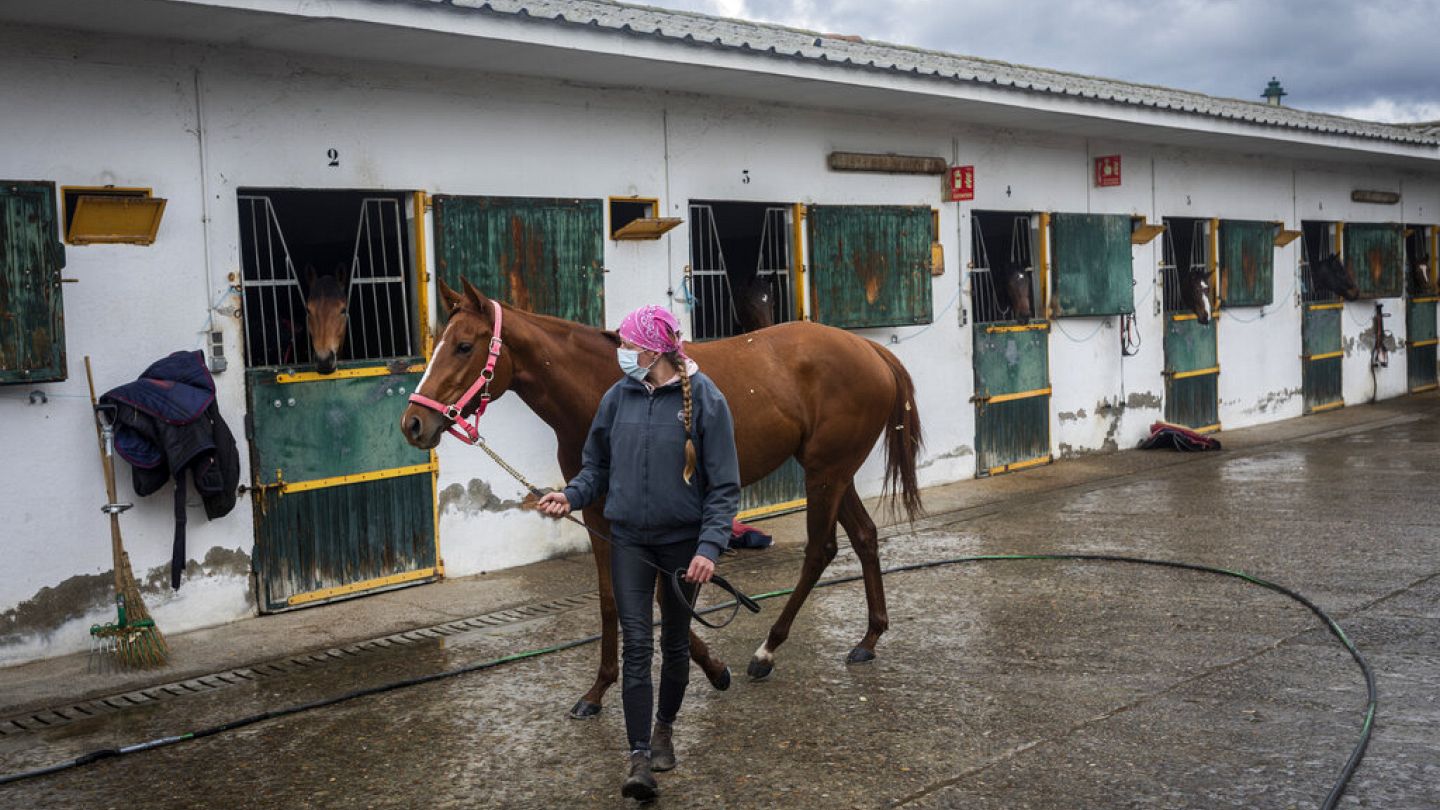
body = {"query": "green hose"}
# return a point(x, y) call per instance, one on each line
point(1336, 791)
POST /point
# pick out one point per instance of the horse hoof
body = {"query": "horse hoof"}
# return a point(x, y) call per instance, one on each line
point(721, 682)
point(584, 710)
point(860, 655)
point(759, 670)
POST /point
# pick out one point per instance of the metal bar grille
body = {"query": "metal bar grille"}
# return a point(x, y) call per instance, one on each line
point(712, 314)
point(987, 303)
point(273, 299)
point(379, 324)
point(773, 264)
point(1196, 259)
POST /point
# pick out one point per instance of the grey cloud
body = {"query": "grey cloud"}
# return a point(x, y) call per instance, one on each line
point(1331, 55)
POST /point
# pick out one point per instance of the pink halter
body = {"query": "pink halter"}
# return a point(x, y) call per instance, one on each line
point(481, 386)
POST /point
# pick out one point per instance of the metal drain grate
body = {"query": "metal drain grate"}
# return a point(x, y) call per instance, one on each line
point(42, 719)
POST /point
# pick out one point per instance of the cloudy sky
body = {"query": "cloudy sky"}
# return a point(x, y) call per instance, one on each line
point(1373, 59)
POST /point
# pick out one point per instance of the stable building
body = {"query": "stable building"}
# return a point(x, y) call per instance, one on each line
point(1059, 260)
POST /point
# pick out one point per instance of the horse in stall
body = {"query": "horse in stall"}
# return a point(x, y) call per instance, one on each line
point(1195, 292)
point(327, 314)
point(1012, 289)
point(1331, 275)
point(819, 394)
point(753, 308)
point(1420, 279)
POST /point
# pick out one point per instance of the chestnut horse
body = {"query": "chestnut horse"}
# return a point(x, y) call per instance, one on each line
point(819, 394)
point(327, 315)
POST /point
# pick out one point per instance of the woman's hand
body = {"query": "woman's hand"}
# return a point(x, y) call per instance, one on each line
point(701, 569)
point(554, 504)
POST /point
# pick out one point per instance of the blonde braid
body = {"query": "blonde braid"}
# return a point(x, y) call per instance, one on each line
point(679, 361)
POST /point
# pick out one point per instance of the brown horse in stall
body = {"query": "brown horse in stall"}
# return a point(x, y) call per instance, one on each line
point(327, 315)
point(814, 392)
point(1195, 292)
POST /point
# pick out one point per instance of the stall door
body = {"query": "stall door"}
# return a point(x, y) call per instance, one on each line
point(1192, 373)
point(1012, 397)
point(1011, 358)
point(1421, 264)
point(1322, 352)
point(1420, 345)
point(742, 276)
point(343, 505)
point(1192, 367)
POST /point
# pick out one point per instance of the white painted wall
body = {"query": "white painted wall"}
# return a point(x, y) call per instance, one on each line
point(127, 112)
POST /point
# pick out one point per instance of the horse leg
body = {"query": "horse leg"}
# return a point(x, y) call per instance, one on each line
point(716, 671)
point(866, 542)
point(589, 704)
point(823, 505)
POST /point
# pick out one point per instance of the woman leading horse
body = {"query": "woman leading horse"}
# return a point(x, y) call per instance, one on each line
point(815, 393)
point(661, 451)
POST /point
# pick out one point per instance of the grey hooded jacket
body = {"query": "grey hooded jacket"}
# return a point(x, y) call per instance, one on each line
point(634, 457)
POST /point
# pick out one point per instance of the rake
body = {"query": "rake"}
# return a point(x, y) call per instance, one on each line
point(132, 640)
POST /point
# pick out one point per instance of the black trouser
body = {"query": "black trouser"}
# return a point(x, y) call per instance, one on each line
point(634, 584)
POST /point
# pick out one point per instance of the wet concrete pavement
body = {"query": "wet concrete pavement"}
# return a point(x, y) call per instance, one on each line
point(1014, 684)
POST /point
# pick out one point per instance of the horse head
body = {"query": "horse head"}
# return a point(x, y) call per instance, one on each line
point(1195, 292)
point(1014, 285)
point(1420, 274)
point(1331, 274)
point(326, 314)
point(753, 308)
point(456, 363)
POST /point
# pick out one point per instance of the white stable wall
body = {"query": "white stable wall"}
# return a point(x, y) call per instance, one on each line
point(198, 125)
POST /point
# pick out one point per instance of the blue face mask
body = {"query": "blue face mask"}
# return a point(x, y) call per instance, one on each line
point(630, 364)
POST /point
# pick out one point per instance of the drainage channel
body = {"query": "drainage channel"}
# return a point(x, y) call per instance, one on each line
point(51, 717)
point(42, 719)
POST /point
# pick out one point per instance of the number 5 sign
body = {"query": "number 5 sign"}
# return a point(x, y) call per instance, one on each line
point(961, 183)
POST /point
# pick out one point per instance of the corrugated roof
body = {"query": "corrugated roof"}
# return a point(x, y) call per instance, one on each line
point(775, 41)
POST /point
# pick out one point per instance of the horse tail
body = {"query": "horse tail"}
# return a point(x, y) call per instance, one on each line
point(902, 440)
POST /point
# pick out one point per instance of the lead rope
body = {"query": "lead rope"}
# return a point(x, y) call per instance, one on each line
point(690, 599)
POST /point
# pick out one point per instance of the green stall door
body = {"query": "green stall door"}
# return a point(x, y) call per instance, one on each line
point(870, 265)
point(1323, 354)
point(1012, 397)
point(541, 255)
point(1092, 275)
point(1375, 255)
point(1247, 263)
point(32, 318)
point(1420, 343)
point(343, 504)
point(1192, 373)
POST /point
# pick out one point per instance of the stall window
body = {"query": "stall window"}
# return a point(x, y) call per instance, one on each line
point(1247, 263)
point(870, 265)
point(32, 321)
point(541, 255)
point(1375, 255)
point(1093, 275)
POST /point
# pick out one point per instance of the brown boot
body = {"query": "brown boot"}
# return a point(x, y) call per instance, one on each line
point(662, 747)
point(640, 784)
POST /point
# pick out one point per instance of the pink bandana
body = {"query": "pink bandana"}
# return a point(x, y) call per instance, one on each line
point(654, 328)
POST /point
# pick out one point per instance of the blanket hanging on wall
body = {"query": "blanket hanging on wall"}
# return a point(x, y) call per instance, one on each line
point(167, 423)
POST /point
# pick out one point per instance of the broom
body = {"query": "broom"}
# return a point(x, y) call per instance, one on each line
point(132, 640)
